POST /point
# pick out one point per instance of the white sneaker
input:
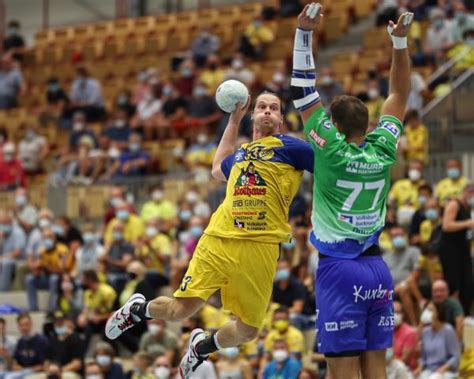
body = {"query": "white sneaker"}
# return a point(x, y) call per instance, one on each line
point(122, 319)
point(192, 360)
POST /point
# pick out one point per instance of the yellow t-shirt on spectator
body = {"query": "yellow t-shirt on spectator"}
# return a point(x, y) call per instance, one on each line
point(448, 189)
point(133, 230)
point(164, 210)
point(404, 191)
point(417, 141)
point(249, 349)
point(431, 265)
point(385, 241)
point(292, 336)
point(426, 228)
point(60, 259)
point(100, 301)
point(212, 79)
point(161, 244)
point(213, 318)
point(259, 35)
point(375, 107)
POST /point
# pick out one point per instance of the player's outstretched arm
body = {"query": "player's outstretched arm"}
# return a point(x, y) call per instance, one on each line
point(303, 80)
point(229, 139)
point(400, 70)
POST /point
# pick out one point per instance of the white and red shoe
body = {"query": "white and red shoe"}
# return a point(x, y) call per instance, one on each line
point(192, 360)
point(122, 319)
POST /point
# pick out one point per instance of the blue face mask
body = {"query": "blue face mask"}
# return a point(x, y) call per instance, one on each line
point(122, 214)
point(399, 242)
point(453, 173)
point(60, 330)
point(134, 147)
point(5, 228)
point(196, 231)
point(282, 275)
point(48, 244)
point(422, 200)
point(431, 214)
point(117, 236)
point(58, 230)
point(167, 90)
point(88, 238)
point(389, 355)
point(185, 215)
point(53, 87)
point(288, 245)
point(186, 72)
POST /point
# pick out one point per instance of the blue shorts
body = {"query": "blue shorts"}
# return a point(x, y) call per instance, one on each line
point(354, 305)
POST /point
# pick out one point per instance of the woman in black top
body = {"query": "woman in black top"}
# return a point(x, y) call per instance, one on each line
point(455, 246)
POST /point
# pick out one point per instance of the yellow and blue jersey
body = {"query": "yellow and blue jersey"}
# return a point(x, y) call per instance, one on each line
point(262, 179)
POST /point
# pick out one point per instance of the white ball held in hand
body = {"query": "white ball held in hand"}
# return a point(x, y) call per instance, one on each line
point(229, 93)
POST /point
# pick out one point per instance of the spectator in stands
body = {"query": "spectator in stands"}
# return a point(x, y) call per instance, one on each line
point(418, 91)
point(386, 10)
point(11, 83)
point(417, 137)
point(12, 173)
point(118, 255)
point(240, 71)
point(145, 119)
point(57, 108)
point(24, 210)
point(141, 366)
point(375, 101)
point(454, 250)
point(159, 340)
point(255, 38)
point(425, 192)
point(119, 129)
point(280, 85)
point(88, 254)
point(232, 365)
point(185, 82)
point(67, 233)
point(439, 36)
point(454, 313)
point(396, 369)
point(53, 370)
point(162, 367)
point(54, 260)
point(290, 7)
point(30, 350)
point(124, 102)
point(440, 350)
point(132, 162)
point(99, 299)
point(401, 262)
point(104, 356)
point(141, 87)
point(200, 153)
point(115, 196)
point(203, 105)
point(66, 346)
point(86, 96)
point(451, 187)
point(213, 74)
point(70, 297)
point(405, 191)
point(204, 45)
point(11, 250)
point(282, 364)
point(132, 225)
point(32, 150)
point(7, 347)
point(93, 371)
point(329, 88)
point(429, 226)
point(289, 292)
point(136, 283)
point(79, 130)
point(282, 330)
point(405, 339)
point(462, 21)
point(158, 206)
point(14, 41)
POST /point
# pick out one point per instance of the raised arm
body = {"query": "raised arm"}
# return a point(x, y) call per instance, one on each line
point(228, 140)
point(400, 69)
point(303, 80)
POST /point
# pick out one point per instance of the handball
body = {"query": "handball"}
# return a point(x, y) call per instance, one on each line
point(229, 93)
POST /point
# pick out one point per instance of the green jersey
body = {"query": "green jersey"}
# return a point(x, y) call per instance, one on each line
point(351, 184)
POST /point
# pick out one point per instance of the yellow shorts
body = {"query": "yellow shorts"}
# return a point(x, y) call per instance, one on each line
point(243, 271)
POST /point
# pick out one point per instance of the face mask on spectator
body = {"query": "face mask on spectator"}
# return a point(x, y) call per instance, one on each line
point(167, 90)
point(431, 214)
point(231, 352)
point(162, 372)
point(389, 355)
point(30, 134)
point(94, 376)
point(88, 238)
point(399, 242)
point(154, 329)
point(196, 231)
point(122, 100)
point(422, 200)
point(397, 319)
point(20, 200)
point(192, 197)
point(426, 317)
point(185, 215)
point(5, 228)
point(199, 91)
point(289, 245)
point(283, 274)
point(48, 243)
point(373, 93)
point(122, 214)
point(471, 202)
point(12, 31)
point(278, 78)
point(326, 80)
point(202, 138)
point(60, 330)
point(404, 215)
point(186, 72)
point(280, 355)
point(58, 230)
point(66, 286)
point(438, 24)
point(151, 231)
point(104, 360)
point(453, 173)
point(44, 223)
point(237, 64)
point(134, 147)
point(414, 175)
point(117, 236)
point(120, 123)
point(157, 195)
point(113, 153)
point(78, 126)
point(53, 87)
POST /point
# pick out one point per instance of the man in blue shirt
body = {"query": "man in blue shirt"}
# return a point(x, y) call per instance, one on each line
point(119, 129)
point(86, 95)
point(133, 161)
point(282, 366)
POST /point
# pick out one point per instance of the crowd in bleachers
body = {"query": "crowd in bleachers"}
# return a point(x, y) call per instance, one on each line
point(76, 131)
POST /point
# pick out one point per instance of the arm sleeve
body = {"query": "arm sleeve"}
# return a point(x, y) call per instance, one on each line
point(227, 164)
point(386, 136)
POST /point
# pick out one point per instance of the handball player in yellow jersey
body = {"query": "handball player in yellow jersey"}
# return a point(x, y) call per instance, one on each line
point(239, 250)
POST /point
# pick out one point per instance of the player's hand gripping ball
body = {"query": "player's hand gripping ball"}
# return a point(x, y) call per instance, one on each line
point(229, 93)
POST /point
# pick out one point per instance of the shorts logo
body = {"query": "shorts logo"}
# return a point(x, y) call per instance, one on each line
point(391, 128)
point(386, 321)
point(239, 224)
point(250, 182)
point(318, 140)
point(349, 324)
point(379, 294)
point(331, 326)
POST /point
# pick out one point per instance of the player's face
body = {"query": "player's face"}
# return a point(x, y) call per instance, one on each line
point(266, 115)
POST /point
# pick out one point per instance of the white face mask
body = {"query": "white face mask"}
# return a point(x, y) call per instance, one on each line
point(157, 195)
point(94, 376)
point(397, 319)
point(192, 197)
point(414, 175)
point(151, 231)
point(78, 126)
point(426, 317)
point(162, 372)
point(280, 355)
point(154, 329)
point(44, 223)
point(104, 360)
